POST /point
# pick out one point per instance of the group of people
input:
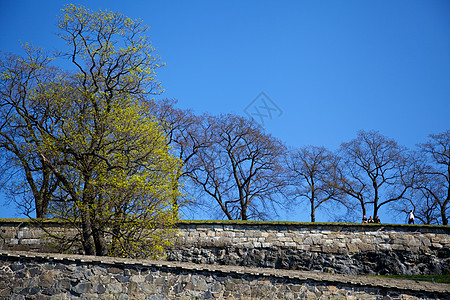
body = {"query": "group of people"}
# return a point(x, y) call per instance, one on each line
point(377, 218)
point(370, 220)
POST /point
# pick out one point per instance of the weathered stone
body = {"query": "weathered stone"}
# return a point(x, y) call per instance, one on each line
point(82, 288)
point(101, 289)
point(46, 279)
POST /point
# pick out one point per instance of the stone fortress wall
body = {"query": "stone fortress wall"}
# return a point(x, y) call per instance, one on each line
point(235, 260)
point(30, 275)
point(327, 247)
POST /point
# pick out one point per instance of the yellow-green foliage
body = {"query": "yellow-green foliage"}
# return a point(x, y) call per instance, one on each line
point(116, 171)
point(132, 172)
point(109, 39)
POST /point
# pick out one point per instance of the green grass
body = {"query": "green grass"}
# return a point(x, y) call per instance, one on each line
point(258, 223)
point(430, 278)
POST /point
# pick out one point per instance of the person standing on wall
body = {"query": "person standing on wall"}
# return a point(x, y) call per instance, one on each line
point(411, 217)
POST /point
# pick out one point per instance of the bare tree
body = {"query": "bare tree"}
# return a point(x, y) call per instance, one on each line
point(27, 179)
point(418, 198)
point(186, 137)
point(374, 170)
point(436, 174)
point(241, 168)
point(312, 173)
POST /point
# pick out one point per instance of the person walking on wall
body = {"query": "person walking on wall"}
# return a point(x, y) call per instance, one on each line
point(411, 217)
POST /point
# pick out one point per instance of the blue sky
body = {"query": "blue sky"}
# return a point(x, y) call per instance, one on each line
point(331, 67)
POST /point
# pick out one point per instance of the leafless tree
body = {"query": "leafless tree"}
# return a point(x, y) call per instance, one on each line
point(26, 178)
point(436, 174)
point(186, 137)
point(241, 168)
point(374, 170)
point(312, 173)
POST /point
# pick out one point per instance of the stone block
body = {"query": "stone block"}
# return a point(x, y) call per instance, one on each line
point(304, 247)
point(355, 241)
point(340, 245)
point(284, 239)
point(229, 234)
point(316, 239)
point(308, 241)
point(31, 233)
point(256, 244)
point(290, 244)
point(330, 249)
point(425, 242)
point(30, 241)
point(437, 245)
point(82, 288)
point(264, 234)
point(316, 249)
point(366, 247)
point(397, 247)
point(385, 247)
point(298, 240)
point(201, 228)
point(194, 234)
point(352, 248)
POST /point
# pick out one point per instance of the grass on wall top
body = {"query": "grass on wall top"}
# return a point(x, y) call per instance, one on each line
point(240, 222)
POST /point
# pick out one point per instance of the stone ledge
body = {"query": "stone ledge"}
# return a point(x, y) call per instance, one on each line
point(361, 281)
point(287, 225)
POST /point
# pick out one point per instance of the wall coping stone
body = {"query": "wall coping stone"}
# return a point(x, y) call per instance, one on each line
point(333, 226)
point(354, 280)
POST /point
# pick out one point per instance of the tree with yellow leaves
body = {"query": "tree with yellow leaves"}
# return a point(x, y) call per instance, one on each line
point(93, 132)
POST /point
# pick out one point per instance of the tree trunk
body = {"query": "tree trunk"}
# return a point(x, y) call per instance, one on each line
point(375, 211)
point(88, 240)
point(446, 202)
point(244, 213)
point(87, 216)
point(101, 247)
point(363, 207)
point(443, 214)
point(38, 203)
point(313, 211)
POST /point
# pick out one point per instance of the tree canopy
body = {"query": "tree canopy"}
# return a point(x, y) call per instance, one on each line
point(86, 140)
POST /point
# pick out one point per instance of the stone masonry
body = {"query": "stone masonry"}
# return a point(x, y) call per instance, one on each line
point(331, 247)
point(335, 248)
point(27, 275)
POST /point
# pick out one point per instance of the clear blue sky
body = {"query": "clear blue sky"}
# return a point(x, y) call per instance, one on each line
point(331, 67)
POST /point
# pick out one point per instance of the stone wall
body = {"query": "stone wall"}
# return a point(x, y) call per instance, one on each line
point(29, 275)
point(331, 247)
point(24, 235)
